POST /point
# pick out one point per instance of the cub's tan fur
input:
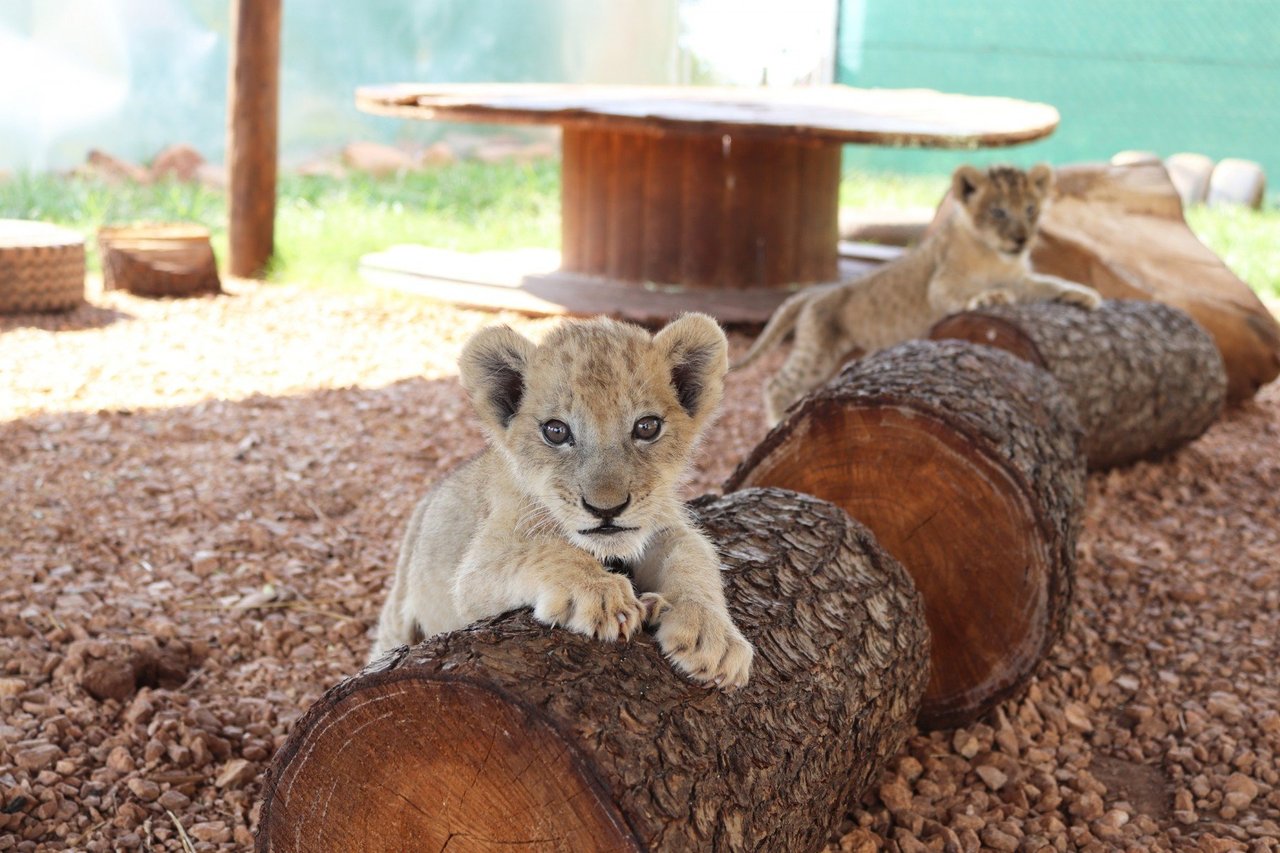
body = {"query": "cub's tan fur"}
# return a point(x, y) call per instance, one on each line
point(977, 257)
point(530, 522)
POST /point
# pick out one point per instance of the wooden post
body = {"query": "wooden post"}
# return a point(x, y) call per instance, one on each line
point(253, 99)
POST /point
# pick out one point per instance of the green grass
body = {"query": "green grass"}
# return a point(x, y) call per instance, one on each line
point(324, 225)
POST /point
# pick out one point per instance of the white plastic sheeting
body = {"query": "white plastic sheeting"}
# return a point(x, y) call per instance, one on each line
point(131, 76)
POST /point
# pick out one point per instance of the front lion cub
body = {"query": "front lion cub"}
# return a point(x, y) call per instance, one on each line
point(590, 434)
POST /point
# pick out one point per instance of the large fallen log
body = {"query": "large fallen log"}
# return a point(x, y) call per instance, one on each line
point(1120, 230)
point(512, 733)
point(1144, 376)
point(965, 463)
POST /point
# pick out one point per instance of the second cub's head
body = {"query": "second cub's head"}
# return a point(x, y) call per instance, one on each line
point(1003, 203)
point(599, 420)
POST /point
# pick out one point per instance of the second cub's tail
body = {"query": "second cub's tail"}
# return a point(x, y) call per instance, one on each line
point(782, 322)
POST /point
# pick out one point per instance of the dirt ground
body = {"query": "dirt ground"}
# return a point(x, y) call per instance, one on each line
point(200, 503)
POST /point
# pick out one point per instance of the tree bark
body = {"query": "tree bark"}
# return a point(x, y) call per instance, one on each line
point(1144, 376)
point(510, 732)
point(965, 463)
point(253, 108)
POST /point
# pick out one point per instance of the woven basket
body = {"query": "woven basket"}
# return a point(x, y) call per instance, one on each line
point(158, 260)
point(41, 267)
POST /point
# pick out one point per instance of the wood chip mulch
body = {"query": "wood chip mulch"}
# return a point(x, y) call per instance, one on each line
point(202, 501)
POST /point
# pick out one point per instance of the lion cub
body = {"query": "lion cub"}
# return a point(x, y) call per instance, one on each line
point(590, 434)
point(976, 258)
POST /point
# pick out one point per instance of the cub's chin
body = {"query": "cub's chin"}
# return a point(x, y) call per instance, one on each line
point(612, 541)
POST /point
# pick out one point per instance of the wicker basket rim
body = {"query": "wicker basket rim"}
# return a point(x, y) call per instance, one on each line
point(152, 232)
point(30, 234)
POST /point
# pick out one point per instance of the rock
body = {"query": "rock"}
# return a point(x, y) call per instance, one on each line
point(1240, 791)
point(212, 175)
point(114, 170)
point(1077, 716)
point(204, 563)
point(1225, 706)
point(1237, 182)
point(439, 154)
point(37, 756)
point(12, 686)
point(1190, 176)
point(994, 778)
point(376, 159)
point(120, 760)
point(965, 744)
point(144, 789)
point(860, 841)
point(113, 677)
point(235, 773)
point(174, 800)
point(181, 162)
point(213, 832)
point(997, 840)
point(896, 796)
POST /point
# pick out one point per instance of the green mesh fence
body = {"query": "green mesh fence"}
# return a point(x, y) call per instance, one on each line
point(1156, 75)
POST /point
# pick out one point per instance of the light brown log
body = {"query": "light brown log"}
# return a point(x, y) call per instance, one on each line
point(965, 463)
point(252, 116)
point(1120, 230)
point(514, 734)
point(1145, 377)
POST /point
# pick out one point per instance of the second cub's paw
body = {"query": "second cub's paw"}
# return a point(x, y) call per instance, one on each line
point(988, 299)
point(1085, 297)
point(603, 607)
point(706, 645)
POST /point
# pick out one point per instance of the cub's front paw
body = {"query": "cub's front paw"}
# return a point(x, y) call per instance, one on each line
point(1085, 297)
point(603, 607)
point(706, 645)
point(988, 299)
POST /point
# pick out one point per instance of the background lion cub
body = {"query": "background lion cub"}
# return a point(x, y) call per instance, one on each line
point(589, 434)
point(977, 257)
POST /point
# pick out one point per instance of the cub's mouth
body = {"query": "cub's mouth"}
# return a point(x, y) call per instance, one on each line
point(607, 530)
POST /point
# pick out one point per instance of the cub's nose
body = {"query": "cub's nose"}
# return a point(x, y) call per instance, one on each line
point(607, 514)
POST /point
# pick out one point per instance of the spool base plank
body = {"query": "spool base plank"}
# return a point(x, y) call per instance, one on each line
point(1145, 377)
point(515, 734)
point(965, 463)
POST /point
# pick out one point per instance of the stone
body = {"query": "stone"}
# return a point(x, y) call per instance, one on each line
point(180, 162)
point(1077, 716)
point(37, 756)
point(376, 159)
point(212, 832)
point(1190, 175)
point(1237, 181)
point(438, 154)
point(1134, 158)
point(120, 760)
point(997, 840)
point(12, 686)
point(1239, 791)
point(895, 795)
point(113, 169)
point(174, 800)
point(235, 773)
point(993, 777)
point(144, 789)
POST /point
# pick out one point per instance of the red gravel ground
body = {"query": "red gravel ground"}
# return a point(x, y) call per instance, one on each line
point(202, 501)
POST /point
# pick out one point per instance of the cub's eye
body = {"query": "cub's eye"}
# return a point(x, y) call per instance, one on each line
point(557, 432)
point(999, 213)
point(1031, 210)
point(647, 428)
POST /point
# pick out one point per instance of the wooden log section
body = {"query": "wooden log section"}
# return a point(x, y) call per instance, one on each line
point(1144, 376)
point(698, 210)
point(512, 735)
point(965, 463)
point(253, 99)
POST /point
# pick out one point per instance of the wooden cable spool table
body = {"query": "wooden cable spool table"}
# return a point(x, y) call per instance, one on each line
point(697, 198)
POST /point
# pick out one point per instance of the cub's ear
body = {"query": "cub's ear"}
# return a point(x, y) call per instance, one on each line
point(1041, 177)
point(697, 354)
point(493, 365)
point(965, 181)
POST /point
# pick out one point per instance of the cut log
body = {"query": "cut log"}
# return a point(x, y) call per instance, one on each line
point(965, 463)
point(1144, 376)
point(1120, 230)
point(512, 733)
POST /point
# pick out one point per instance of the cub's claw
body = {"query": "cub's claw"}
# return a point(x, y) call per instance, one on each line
point(706, 645)
point(1085, 297)
point(604, 607)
